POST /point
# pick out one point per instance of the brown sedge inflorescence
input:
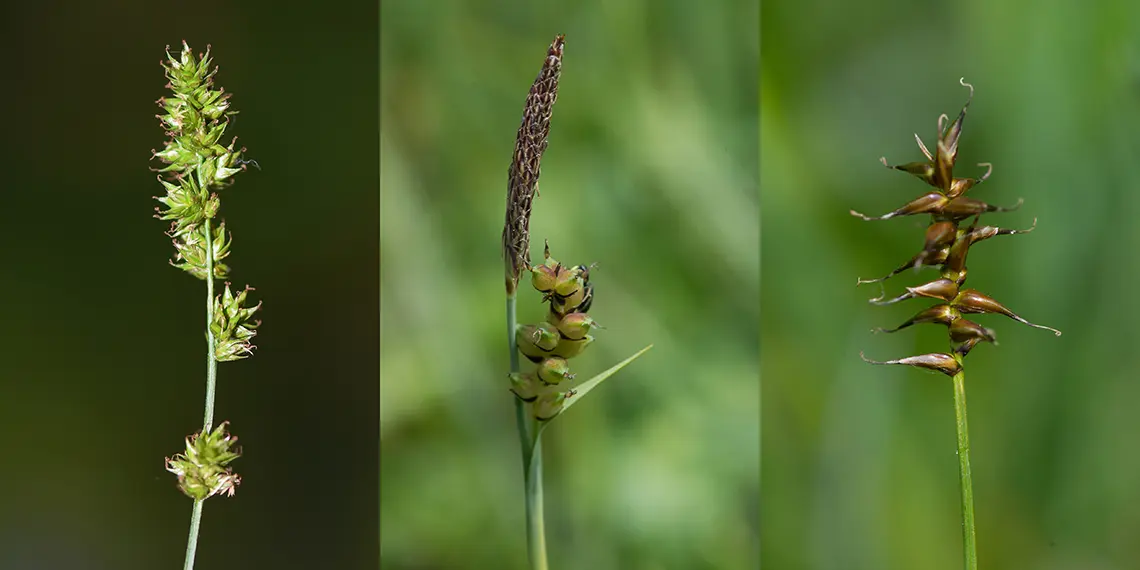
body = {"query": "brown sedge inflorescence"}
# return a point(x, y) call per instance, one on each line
point(562, 336)
point(948, 239)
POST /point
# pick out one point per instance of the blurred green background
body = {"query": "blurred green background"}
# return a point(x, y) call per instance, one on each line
point(859, 467)
point(651, 172)
point(102, 369)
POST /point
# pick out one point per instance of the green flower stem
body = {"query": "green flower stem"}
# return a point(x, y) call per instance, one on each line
point(211, 383)
point(536, 529)
point(192, 541)
point(531, 448)
point(968, 544)
point(211, 362)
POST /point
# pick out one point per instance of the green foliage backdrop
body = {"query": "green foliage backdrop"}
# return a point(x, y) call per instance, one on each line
point(651, 172)
point(859, 468)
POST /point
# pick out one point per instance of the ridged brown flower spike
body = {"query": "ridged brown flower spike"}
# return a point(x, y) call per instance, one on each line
point(197, 165)
point(551, 388)
point(947, 242)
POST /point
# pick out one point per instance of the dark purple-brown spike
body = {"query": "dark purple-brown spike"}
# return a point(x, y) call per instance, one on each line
point(987, 232)
point(939, 236)
point(941, 314)
point(950, 137)
point(947, 147)
point(943, 166)
point(879, 300)
point(922, 170)
point(942, 289)
point(965, 348)
point(938, 362)
point(925, 152)
point(931, 203)
point(960, 185)
point(963, 207)
point(971, 301)
point(954, 268)
point(938, 258)
point(962, 330)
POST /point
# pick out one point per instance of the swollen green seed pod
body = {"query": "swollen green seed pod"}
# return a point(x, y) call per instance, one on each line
point(537, 341)
point(550, 405)
point(554, 370)
point(569, 281)
point(575, 326)
point(568, 348)
point(543, 277)
point(525, 386)
point(578, 302)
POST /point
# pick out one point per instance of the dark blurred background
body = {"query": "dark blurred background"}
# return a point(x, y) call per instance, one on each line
point(860, 471)
point(103, 370)
point(651, 172)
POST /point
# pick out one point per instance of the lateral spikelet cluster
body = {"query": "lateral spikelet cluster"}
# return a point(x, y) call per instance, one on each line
point(562, 336)
point(954, 226)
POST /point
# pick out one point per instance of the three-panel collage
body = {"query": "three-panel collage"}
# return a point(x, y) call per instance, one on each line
point(597, 285)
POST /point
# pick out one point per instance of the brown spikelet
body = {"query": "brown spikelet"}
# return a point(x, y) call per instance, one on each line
point(948, 240)
point(524, 170)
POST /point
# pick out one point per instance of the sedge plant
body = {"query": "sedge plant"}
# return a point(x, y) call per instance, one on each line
point(550, 388)
point(197, 166)
point(954, 227)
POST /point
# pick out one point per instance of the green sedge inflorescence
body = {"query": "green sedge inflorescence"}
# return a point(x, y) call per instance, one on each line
point(563, 335)
point(197, 165)
point(948, 239)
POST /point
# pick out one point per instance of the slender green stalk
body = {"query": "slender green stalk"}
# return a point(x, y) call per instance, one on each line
point(968, 544)
point(536, 529)
point(211, 383)
point(192, 541)
point(211, 362)
point(530, 445)
point(197, 165)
